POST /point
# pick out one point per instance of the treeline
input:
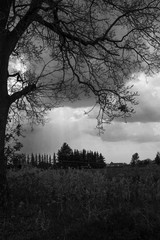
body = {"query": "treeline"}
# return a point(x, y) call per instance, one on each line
point(43, 161)
point(135, 161)
point(78, 159)
point(65, 158)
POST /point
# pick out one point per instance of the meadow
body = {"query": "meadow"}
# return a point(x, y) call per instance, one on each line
point(112, 203)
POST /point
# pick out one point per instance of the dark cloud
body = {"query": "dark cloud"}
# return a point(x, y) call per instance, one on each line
point(146, 114)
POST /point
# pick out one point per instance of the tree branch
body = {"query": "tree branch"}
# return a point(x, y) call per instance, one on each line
point(17, 95)
point(102, 38)
point(5, 6)
point(59, 31)
point(24, 23)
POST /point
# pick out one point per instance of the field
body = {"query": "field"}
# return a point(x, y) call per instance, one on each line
point(113, 203)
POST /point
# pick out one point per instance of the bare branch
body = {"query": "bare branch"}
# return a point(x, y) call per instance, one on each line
point(93, 48)
point(17, 95)
point(24, 23)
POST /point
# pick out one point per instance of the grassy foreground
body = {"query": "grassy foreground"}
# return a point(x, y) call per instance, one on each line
point(119, 203)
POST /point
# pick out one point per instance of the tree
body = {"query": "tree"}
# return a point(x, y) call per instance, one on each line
point(39, 158)
point(72, 49)
point(64, 155)
point(50, 160)
point(101, 162)
point(54, 159)
point(33, 160)
point(157, 158)
point(134, 160)
point(12, 143)
point(18, 161)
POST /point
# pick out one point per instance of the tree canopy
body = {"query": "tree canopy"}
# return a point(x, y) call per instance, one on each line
point(77, 48)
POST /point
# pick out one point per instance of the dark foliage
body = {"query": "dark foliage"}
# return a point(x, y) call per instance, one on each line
point(79, 159)
point(157, 158)
point(66, 158)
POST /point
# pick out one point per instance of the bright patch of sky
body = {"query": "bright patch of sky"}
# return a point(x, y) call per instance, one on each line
point(18, 65)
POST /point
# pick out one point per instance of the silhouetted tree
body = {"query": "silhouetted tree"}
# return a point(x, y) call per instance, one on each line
point(39, 159)
point(78, 159)
point(28, 159)
point(36, 160)
point(50, 160)
point(64, 155)
point(146, 162)
point(54, 159)
point(134, 160)
point(157, 158)
point(32, 160)
point(84, 156)
point(100, 161)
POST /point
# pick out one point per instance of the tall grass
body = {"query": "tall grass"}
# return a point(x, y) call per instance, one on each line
point(83, 204)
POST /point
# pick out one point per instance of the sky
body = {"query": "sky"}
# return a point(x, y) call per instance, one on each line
point(141, 132)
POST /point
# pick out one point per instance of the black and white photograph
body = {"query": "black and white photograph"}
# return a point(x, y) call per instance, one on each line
point(79, 119)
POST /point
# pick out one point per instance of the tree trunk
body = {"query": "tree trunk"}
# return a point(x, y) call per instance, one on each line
point(3, 162)
point(5, 52)
point(4, 108)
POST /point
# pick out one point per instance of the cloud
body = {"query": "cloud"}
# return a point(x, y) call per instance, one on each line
point(63, 125)
point(149, 99)
point(120, 140)
point(132, 132)
point(118, 143)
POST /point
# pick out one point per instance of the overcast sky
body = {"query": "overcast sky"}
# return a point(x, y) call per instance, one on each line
point(120, 141)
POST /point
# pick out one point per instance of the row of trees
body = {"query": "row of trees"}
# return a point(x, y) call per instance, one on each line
point(77, 159)
point(135, 161)
point(43, 161)
point(65, 158)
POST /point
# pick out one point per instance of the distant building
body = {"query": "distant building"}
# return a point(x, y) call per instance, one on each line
point(116, 164)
